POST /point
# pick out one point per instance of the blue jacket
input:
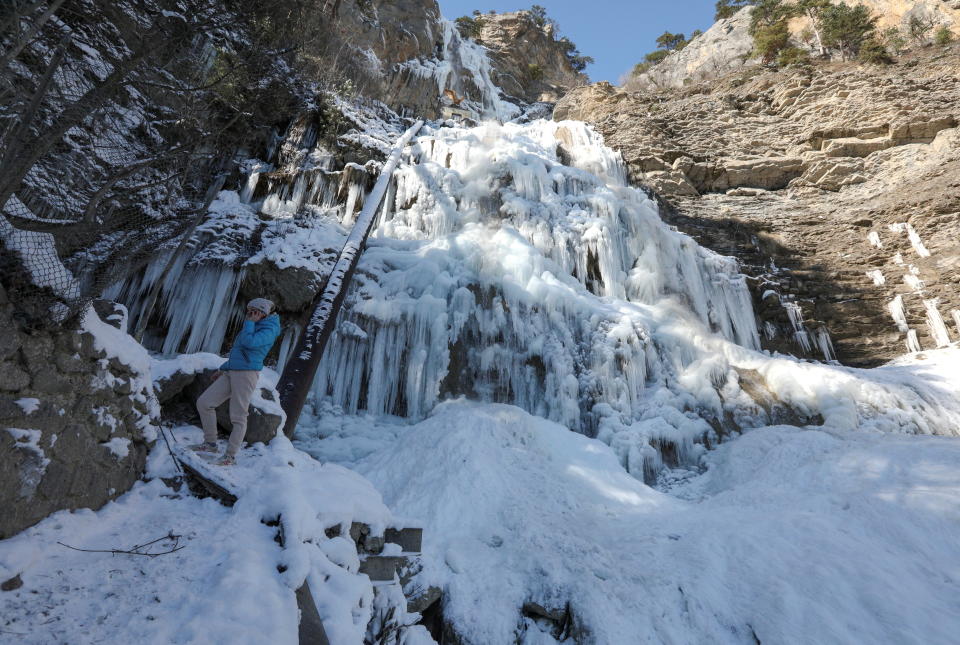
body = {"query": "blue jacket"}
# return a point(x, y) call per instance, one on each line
point(252, 344)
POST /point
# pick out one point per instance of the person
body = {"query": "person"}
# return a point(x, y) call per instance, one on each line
point(237, 379)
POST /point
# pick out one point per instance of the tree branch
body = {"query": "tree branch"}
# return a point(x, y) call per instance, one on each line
point(136, 550)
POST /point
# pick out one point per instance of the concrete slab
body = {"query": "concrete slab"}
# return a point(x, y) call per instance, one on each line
point(409, 539)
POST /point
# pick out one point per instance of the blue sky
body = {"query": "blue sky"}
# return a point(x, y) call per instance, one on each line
point(617, 33)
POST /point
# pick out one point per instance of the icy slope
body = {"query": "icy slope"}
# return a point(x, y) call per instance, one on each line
point(791, 535)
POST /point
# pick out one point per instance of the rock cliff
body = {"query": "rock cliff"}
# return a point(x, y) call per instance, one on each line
point(727, 45)
point(724, 47)
point(528, 61)
point(835, 185)
point(76, 416)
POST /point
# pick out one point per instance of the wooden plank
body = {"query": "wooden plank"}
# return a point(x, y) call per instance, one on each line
point(215, 490)
point(311, 627)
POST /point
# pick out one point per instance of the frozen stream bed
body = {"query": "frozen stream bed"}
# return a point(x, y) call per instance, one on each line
point(789, 535)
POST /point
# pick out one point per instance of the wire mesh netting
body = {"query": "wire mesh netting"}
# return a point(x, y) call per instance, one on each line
point(116, 122)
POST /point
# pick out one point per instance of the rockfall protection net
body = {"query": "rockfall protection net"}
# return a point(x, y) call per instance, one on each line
point(105, 143)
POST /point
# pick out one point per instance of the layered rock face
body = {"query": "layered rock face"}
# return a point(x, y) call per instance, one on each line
point(75, 422)
point(726, 47)
point(528, 62)
point(836, 186)
point(405, 54)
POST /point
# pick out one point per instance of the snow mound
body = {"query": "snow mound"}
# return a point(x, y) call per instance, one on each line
point(791, 536)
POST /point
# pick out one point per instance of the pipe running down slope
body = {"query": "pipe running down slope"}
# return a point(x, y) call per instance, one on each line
point(298, 374)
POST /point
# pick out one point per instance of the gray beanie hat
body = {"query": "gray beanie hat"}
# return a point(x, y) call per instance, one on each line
point(261, 304)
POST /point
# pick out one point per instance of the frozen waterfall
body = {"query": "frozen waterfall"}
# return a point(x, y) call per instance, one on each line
point(513, 264)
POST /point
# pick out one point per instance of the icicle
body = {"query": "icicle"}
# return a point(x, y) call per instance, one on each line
point(877, 276)
point(825, 344)
point(913, 345)
point(917, 243)
point(800, 335)
point(956, 319)
point(938, 330)
point(874, 238)
point(898, 314)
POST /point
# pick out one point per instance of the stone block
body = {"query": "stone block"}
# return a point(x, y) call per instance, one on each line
point(112, 313)
point(9, 343)
point(769, 173)
point(47, 379)
point(13, 378)
point(920, 131)
point(37, 349)
point(382, 568)
point(409, 539)
point(70, 363)
point(854, 147)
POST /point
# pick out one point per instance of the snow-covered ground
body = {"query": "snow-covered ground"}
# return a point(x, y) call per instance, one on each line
point(788, 535)
point(231, 582)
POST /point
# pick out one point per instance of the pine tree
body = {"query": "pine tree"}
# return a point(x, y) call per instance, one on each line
point(670, 41)
point(847, 28)
point(727, 8)
point(769, 26)
point(813, 10)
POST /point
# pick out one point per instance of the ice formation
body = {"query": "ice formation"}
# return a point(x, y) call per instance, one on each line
point(938, 330)
point(513, 264)
point(877, 276)
point(503, 274)
point(463, 66)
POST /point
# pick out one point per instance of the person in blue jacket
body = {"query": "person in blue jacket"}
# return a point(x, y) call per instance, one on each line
point(237, 378)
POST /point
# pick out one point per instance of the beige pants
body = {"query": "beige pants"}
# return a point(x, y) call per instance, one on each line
point(238, 386)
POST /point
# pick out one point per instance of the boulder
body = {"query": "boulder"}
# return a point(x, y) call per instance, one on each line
point(917, 130)
point(670, 182)
point(855, 147)
point(264, 419)
point(833, 174)
point(290, 288)
point(83, 439)
point(769, 173)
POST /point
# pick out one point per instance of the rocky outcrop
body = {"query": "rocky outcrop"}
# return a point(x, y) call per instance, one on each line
point(835, 186)
point(897, 13)
point(723, 48)
point(726, 47)
point(528, 62)
point(75, 421)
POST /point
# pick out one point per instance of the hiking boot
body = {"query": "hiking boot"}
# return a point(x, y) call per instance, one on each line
point(227, 460)
point(206, 446)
